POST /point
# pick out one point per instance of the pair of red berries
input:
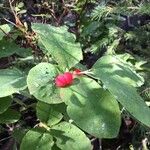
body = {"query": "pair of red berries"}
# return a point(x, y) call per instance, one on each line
point(66, 79)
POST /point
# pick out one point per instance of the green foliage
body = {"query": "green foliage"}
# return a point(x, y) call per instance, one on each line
point(138, 40)
point(11, 81)
point(144, 8)
point(44, 115)
point(106, 20)
point(68, 135)
point(8, 47)
point(119, 80)
point(4, 30)
point(60, 44)
point(9, 116)
point(40, 81)
point(48, 113)
point(92, 108)
point(5, 102)
point(37, 139)
point(101, 11)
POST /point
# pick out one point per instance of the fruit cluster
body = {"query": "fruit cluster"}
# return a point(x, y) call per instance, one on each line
point(66, 79)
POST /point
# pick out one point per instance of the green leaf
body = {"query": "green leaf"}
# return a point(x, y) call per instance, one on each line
point(23, 52)
point(119, 68)
point(5, 102)
point(119, 80)
point(92, 108)
point(8, 47)
point(11, 81)
point(5, 28)
point(91, 28)
point(55, 147)
point(37, 139)
point(9, 116)
point(48, 114)
point(68, 136)
point(40, 81)
point(60, 44)
point(18, 134)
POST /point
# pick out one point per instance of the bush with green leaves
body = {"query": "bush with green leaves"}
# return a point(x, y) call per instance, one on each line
point(91, 105)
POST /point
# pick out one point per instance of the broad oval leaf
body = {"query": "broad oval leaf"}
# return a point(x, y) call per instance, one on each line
point(115, 78)
point(119, 68)
point(9, 116)
point(37, 139)
point(40, 81)
point(5, 102)
point(48, 114)
point(92, 108)
point(68, 136)
point(59, 43)
point(11, 81)
point(9, 47)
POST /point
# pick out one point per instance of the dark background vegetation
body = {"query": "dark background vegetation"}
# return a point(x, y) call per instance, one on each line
point(107, 26)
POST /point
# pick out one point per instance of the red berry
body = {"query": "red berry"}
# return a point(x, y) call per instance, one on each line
point(69, 77)
point(64, 80)
point(77, 72)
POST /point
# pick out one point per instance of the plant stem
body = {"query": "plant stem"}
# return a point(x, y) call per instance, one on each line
point(20, 103)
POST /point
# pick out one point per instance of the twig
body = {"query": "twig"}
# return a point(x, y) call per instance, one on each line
point(145, 90)
point(10, 22)
point(84, 6)
point(144, 144)
point(11, 7)
point(61, 16)
point(53, 15)
point(53, 12)
point(5, 138)
point(63, 2)
point(18, 23)
point(79, 17)
point(9, 144)
point(20, 102)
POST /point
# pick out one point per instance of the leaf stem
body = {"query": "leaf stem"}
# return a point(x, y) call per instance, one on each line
point(44, 126)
